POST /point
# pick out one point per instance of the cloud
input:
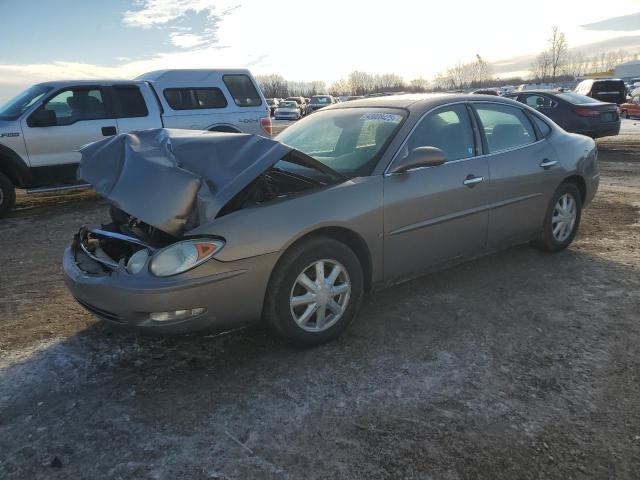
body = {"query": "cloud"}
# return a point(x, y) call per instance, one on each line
point(626, 23)
point(188, 40)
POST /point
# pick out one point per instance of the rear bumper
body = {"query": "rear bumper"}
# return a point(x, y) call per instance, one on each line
point(232, 294)
point(602, 130)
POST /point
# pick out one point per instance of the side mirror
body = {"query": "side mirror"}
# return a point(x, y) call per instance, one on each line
point(43, 118)
point(419, 157)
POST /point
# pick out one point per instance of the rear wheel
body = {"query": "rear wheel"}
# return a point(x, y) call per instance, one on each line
point(624, 114)
point(315, 292)
point(7, 195)
point(562, 219)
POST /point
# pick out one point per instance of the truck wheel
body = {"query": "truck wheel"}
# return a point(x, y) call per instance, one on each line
point(7, 195)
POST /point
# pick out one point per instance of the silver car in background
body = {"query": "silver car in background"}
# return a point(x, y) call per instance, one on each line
point(287, 110)
point(295, 230)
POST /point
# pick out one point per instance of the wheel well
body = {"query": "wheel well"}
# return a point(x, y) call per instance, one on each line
point(224, 129)
point(352, 240)
point(579, 182)
point(13, 167)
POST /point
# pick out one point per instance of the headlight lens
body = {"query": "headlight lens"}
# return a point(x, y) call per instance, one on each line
point(137, 261)
point(183, 256)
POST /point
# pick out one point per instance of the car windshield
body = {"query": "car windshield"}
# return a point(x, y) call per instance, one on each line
point(321, 100)
point(20, 104)
point(347, 140)
point(287, 105)
point(576, 98)
point(294, 100)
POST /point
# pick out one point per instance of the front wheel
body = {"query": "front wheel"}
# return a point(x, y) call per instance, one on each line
point(314, 293)
point(7, 195)
point(562, 219)
point(624, 114)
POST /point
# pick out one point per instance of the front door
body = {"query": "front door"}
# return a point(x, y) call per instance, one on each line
point(434, 215)
point(76, 116)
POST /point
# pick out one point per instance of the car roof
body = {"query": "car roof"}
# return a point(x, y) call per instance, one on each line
point(418, 101)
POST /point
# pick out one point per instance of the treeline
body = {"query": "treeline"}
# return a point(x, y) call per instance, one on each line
point(557, 63)
point(356, 83)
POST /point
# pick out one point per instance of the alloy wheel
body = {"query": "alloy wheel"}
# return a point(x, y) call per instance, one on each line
point(564, 217)
point(320, 295)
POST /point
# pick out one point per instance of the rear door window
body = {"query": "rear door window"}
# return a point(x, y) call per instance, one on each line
point(505, 127)
point(195, 98)
point(538, 101)
point(242, 90)
point(131, 101)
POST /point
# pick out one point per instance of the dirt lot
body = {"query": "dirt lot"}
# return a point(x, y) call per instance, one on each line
point(519, 365)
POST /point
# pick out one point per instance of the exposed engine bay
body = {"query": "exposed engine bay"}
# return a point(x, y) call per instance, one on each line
point(110, 247)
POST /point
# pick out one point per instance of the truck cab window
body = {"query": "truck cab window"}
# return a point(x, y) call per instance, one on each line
point(70, 106)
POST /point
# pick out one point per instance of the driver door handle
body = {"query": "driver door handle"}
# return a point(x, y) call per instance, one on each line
point(108, 131)
point(548, 163)
point(470, 181)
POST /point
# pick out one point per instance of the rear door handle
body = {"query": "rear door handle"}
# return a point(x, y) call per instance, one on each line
point(548, 163)
point(108, 131)
point(470, 181)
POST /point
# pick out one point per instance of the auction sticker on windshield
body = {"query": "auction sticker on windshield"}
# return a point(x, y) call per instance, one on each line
point(382, 117)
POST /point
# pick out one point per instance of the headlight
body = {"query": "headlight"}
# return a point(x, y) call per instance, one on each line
point(183, 256)
point(137, 261)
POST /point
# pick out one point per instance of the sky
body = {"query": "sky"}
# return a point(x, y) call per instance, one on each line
point(299, 39)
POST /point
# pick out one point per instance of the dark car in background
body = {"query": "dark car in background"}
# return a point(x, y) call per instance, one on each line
point(273, 104)
point(574, 112)
point(604, 89)
point(320, 101)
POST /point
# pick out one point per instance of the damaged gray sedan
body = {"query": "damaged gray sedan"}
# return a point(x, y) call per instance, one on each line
point(214, 231)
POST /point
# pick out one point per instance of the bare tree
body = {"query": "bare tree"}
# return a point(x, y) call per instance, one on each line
point(557, 52)
point(273, 86)
point(418, 85)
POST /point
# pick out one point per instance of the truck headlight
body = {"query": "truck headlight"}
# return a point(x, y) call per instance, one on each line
point(183, 256)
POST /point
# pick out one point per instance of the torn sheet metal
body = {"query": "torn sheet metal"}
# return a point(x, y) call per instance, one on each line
point(175, 180)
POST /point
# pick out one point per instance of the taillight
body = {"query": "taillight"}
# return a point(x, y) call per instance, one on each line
point(587, 112)
point(265, 123)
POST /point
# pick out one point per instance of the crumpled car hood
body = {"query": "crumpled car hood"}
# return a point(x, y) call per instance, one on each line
point(175, 180)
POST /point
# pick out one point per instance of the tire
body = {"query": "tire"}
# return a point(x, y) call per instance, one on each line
point(7, 195)
point(284, 285)
point(624, 114)
point(547, 240)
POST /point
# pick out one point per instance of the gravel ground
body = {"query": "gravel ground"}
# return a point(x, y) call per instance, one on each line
point(518, 365)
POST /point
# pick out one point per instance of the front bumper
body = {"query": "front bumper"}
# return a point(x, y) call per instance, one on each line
point(231, 292)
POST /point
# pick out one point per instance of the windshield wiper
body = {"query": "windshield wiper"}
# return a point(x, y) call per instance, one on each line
point(300, 158)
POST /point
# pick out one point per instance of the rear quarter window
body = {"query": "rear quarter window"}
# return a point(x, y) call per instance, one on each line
point(242, 90)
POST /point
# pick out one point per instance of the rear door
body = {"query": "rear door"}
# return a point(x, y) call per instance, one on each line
point(136, 108)
point(523, 168)
point(434, 215)
point(79, 115)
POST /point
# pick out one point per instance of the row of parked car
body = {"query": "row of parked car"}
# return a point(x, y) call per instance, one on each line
point(593, 108)
point(294, 108)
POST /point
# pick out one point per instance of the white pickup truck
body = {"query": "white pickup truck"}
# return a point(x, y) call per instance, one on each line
point(43, 127)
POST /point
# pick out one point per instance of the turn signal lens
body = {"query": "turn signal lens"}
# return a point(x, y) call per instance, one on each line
point(183, 256)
